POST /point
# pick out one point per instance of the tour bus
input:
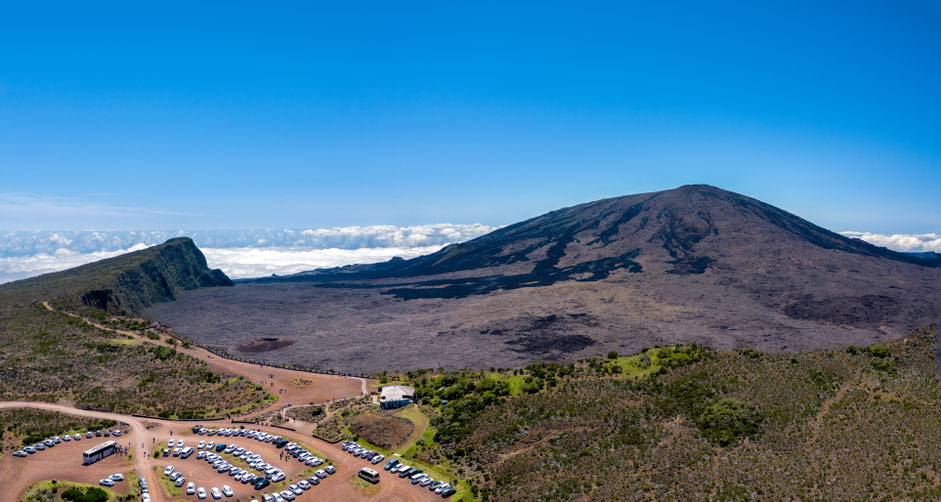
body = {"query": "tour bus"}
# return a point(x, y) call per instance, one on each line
point(369, 475)
point(99, 452)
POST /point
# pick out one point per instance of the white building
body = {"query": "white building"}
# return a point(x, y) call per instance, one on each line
point(395, 396)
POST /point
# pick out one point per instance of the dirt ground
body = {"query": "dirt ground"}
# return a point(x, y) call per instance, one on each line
point(59, 463)
point(383, 430)
point(62, 463)
point(292, 387)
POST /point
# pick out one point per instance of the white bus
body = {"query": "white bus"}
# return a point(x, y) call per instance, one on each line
point(369, 475)
point(99, 452)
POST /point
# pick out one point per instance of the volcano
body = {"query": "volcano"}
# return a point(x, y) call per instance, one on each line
point(696, 264)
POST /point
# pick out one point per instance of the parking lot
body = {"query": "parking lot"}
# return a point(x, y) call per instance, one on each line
point(63, 462)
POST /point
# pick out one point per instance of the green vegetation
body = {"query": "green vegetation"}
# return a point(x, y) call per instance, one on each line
point(49, 356)
point(58, 491)
point(30, 426)
point(686, 423)
point(726, 420)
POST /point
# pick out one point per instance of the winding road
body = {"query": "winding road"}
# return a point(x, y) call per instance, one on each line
point(291, 386)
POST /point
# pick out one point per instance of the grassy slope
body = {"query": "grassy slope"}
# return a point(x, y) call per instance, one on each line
point(833, 425)
point(49, 356)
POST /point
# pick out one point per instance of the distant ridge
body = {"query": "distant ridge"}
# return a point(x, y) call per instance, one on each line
point(695, 264)
point(126, 284)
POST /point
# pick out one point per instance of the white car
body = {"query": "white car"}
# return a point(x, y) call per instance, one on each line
point(304, 484)
point(145, 497)
point(179, 481)
point(106, 482)
point(287, 494)
point(171, 443)
point(176, 475)
point(296, 489)
point(216, 494)
point(66, 438)
point(330, 469)
point(201, 493)
point(168, 470)
point(190, 488)
point(320, 473)
point(227, 491)
point(210, 445)
point(200, 445)
point(117, 476)
point(78, 437)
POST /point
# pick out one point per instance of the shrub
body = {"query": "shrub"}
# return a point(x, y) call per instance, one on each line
point(878, 350)
point(726, 420)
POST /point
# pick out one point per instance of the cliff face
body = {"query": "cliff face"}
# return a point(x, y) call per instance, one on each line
point(126, 284)
point(175, 266)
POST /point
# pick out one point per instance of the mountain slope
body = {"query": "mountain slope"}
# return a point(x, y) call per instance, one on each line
point(125, 284)
point(694, 264)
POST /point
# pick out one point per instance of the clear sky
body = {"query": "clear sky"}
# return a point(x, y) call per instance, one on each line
point(318, 114)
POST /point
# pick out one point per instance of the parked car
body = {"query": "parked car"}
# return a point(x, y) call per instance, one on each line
point(78, 437)
point(220, 447)
point(167, 471)
point(66, 438)
point(166, 452)
point(216, 494)
point(201, 493)
point(330, 469)
point(174, 476)
point(171, 443)
point(29, 449)
point(179, 481)
point(227, 491)
point(117, 433)
point(106, 482)
point(190, 488)
point(287, 494)
point(262, 483)
point(304, 484)
point(210, 445)
point(20, 453)
point(117, 476)
point(88, 434)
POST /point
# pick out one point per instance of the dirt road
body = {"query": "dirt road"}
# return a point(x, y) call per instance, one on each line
point(291, 386)
point(58, 463)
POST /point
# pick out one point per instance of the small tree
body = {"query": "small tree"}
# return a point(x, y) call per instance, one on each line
point(727, 419)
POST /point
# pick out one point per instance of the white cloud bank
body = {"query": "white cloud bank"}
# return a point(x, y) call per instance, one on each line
point(21, 267)
point(239, 263)
point(239, 253)
point(901, 242)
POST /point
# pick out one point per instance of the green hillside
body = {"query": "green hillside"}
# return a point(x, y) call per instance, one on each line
point(49, 356)
point(853, 424)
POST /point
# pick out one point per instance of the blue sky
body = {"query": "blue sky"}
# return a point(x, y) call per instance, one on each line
point(238, 115)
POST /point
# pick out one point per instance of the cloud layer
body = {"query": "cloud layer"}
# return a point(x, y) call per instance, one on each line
point(912, 243)
point(239, 253)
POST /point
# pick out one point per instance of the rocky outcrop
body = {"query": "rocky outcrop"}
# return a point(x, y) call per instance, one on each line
point(126, 284)
point(162, 273)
